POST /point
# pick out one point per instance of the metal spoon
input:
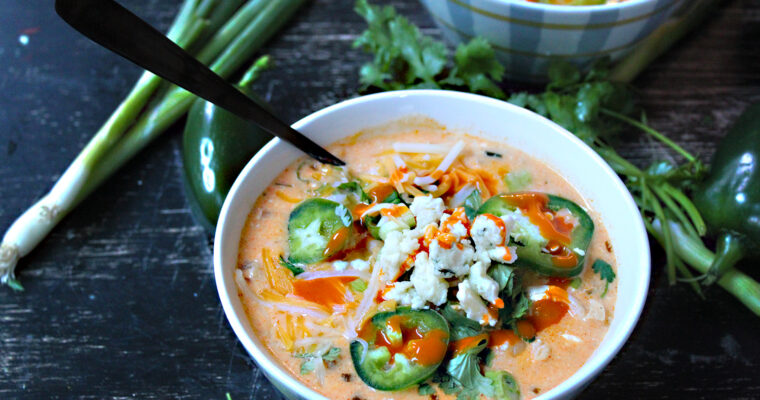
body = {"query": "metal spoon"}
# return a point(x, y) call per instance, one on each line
point(117, 29)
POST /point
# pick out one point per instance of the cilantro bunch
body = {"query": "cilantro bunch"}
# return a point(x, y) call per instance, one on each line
point(404, 58)
point(592, 106)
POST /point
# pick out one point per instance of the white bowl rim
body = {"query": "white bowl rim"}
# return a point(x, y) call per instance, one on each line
point(572, 9)
point(593, 366)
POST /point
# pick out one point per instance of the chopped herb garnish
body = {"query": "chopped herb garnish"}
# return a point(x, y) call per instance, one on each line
point(464, 368)
point(355, 188)
point(404, 58)
point(295, 269)
point(311, 359)
point(308, 365)
point(576, 283)
point(358, 285)
point(425, 389)
point(514, 310)
point(472, 203)
point(605, 272)
point(459, 325)
point(332, 354)
point(505, 277)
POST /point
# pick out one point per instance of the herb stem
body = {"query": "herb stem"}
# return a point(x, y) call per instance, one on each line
point(657, 135)
point(688, 206)
point(694, 253)
point(662, 39)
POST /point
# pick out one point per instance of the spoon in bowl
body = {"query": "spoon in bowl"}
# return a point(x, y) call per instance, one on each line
point(114, 27)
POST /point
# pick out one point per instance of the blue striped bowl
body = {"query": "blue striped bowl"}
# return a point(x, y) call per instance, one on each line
point(528, 36)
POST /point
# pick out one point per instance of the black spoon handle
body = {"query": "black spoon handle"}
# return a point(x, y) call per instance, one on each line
point(117, 29)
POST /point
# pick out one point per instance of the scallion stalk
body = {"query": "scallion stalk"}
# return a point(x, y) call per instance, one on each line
point(220, 32)
point(663, 38)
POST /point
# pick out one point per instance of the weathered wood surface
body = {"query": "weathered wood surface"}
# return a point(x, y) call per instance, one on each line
point(120, 300)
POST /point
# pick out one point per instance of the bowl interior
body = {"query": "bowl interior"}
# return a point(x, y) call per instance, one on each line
point(459, 112)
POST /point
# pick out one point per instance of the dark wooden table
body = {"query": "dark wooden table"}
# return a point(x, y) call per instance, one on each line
point(120, 300)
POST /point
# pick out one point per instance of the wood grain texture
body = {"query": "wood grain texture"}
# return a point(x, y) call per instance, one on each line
point(120, 300)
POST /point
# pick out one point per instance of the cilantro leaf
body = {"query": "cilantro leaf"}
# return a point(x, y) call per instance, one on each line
point(355, 188)
point(331, 354)
point(515, 309)
point(534, 102)
point(563, 74)
point(605, 272)
point(295, 269)
point(445, 381)
point(477, 68)
point(460, 326)
point(465, 370)
point(504, 384)
point(308, 365)
point(393, 198)
point(425, 389)
point(472, 204)
point(404, 58)
point(311, 359)
point(590, 98)
point(516, 303)
point(505, 277)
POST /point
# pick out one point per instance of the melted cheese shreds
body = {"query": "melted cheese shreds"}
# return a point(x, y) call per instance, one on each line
point(367, 302)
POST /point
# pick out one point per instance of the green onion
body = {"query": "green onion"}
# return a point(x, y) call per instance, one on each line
point(663, 38)
point(224, 34)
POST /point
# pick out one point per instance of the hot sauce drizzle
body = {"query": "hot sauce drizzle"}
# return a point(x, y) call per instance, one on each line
point(423, 348)
point(556, 230)
point(501, 336)
point(545, 313)
point(325, 291)
point(534, 206)
point(462, 345)
point(336, 242)
point(380, 192)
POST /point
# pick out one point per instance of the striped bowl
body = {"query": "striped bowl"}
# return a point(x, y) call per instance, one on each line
point(528, 36)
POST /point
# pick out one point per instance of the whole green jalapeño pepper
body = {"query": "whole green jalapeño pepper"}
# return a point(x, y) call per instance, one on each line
point(729, 199)
point(216, 145)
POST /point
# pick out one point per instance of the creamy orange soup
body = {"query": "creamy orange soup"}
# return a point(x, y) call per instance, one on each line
point(308, 321)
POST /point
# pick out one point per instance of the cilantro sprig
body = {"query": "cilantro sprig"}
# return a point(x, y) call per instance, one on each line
point(592, 106)
point(295, 269)
point(605, 272)
point(404, 58)
point(311, 359)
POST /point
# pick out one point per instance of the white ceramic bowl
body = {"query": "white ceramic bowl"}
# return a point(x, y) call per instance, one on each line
point(528, 36)
point(476, 115)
